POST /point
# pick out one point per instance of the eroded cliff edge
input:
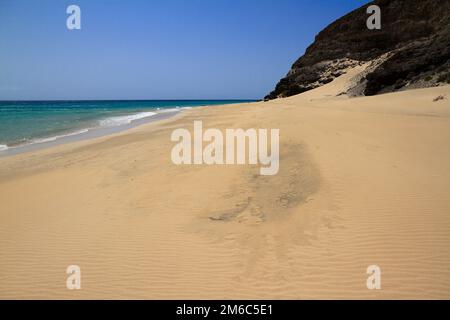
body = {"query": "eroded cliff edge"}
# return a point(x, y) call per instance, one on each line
point(411, 50)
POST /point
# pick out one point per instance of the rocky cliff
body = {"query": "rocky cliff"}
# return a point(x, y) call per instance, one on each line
point(411, 50)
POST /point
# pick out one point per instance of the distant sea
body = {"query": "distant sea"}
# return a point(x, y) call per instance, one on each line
point(33, 122)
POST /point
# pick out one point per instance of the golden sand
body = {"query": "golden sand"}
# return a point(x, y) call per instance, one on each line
point(362, 181)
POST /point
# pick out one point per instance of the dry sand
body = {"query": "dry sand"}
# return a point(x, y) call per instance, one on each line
point(362, 181)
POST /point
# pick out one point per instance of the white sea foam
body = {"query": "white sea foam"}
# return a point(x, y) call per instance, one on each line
point(168, 110)
point(121, 120)
point(108, 122)
point(49, 139)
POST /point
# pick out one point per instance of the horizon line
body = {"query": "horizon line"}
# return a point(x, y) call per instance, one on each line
point(87, 100)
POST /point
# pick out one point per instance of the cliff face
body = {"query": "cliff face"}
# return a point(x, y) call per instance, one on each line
point(411, 50)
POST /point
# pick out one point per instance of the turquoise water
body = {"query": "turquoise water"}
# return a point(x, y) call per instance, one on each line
point(27, 122)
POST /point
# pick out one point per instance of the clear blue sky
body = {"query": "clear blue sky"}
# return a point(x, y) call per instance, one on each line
point(160, 49)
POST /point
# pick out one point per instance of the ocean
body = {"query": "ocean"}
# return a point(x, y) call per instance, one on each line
point(24, 123)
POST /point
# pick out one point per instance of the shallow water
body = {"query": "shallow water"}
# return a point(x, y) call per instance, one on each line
point(24, 123)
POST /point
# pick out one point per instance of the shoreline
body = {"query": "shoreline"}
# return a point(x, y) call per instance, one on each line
point(110, 125)
point(86, 134)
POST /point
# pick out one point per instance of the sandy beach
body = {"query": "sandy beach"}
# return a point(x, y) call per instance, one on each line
point(362, 181)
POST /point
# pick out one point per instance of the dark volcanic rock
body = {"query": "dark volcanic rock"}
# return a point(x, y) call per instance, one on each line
point(416, 32)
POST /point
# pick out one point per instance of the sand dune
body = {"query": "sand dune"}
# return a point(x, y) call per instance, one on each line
point(362, 181)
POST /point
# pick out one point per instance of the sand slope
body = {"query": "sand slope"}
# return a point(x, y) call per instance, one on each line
point(362, 181)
